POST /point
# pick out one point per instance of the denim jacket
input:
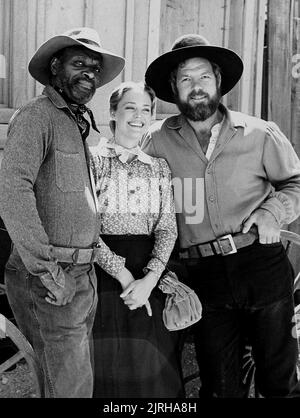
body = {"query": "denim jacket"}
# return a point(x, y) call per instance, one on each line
point(46, 195)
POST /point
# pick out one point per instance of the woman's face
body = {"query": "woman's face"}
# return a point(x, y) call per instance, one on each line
point(133, 115)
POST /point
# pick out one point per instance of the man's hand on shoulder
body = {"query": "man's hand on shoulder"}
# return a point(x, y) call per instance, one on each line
point(267, 226)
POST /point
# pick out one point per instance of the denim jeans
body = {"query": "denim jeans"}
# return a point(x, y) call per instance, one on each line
point(60, 335)
point(246, 297)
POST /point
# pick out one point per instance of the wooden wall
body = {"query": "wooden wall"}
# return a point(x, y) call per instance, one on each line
point(284, 79)
point(139, 30)
point(34, 21)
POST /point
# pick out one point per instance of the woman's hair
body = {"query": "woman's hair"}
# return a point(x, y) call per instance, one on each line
point(119, 92)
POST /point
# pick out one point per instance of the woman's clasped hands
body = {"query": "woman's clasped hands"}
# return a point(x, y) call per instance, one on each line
point(136, 293)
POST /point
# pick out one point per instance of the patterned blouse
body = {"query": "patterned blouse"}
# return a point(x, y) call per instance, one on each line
point(135, 198)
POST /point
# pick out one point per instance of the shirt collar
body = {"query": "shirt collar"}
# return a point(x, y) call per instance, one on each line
point(55, 98)
point(215, 130)
point(108, 148)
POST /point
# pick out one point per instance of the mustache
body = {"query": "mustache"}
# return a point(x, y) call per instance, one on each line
point(86, 80)
point(197, 93)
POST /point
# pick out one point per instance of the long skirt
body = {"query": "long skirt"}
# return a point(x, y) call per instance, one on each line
point(135, 355)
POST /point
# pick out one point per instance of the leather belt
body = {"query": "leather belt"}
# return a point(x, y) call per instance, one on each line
point(225, 245)
point(74, 255)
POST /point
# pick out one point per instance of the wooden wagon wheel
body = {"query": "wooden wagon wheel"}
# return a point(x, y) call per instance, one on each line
point(8, 329)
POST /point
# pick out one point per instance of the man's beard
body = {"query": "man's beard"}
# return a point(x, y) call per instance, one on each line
point(199, 111)
point(71, 92)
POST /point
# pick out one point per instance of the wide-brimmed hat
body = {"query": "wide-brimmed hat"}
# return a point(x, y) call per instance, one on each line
point(189, 46)
point(39, 65)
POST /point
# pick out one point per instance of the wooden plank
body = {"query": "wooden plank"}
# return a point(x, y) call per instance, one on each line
point(259, 57)
point(153, 50)
point(249, 49)
point(11, 361)
point(22, 31)
point(280, 54)
point(252, 54)
point(235, 42)
point(31, 46)
point(2, 42)
point(226, 31)
point(88, 13)
point(226, 23)
point(211, 21)
point(61, 15)
point(40, 35)
point(154, 30)
point(129, 38)
point(2, 66)
point(177, 18)
point(6, 50)
point(141, 39)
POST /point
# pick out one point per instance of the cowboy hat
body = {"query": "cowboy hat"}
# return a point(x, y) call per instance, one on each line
point(39, 65)
point(189, 46)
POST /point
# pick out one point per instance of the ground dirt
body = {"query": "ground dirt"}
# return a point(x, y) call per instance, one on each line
point(19, 382)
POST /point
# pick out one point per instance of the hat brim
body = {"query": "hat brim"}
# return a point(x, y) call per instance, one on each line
point(39, 65)
point(158, 73)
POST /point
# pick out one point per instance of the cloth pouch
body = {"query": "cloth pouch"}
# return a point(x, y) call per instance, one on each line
point(182, 307)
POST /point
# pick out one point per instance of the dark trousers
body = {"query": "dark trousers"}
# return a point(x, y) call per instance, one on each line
point(247, 296)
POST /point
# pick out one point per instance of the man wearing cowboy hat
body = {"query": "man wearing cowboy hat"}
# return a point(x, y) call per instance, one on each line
point(49, 207)
point(236, 181)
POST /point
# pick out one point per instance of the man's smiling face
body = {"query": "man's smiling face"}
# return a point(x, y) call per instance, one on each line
point(78, 73)
point(197, 90)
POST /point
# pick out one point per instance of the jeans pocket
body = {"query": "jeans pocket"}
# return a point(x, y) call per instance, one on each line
point(37, 286)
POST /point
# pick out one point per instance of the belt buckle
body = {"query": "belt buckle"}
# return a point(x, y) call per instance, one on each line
point(232, 244)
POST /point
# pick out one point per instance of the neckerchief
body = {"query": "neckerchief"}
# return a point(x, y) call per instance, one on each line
point(83, 125)
point(78, 111)
point(108, 148)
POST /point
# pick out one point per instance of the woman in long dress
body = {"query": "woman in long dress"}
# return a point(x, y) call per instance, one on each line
point(135, 355)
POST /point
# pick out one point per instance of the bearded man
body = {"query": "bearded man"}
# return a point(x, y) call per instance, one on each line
point(236, 182)
point(49, 207)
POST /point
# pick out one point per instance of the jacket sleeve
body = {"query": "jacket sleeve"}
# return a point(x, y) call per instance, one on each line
point(26, 147)
point(282, 167)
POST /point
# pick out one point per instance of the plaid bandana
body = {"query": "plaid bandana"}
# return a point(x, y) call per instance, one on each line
point(83, 125)
point(78, 111)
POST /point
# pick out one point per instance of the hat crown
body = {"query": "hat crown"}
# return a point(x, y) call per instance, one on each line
point(190, 40)
point(85, 35)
